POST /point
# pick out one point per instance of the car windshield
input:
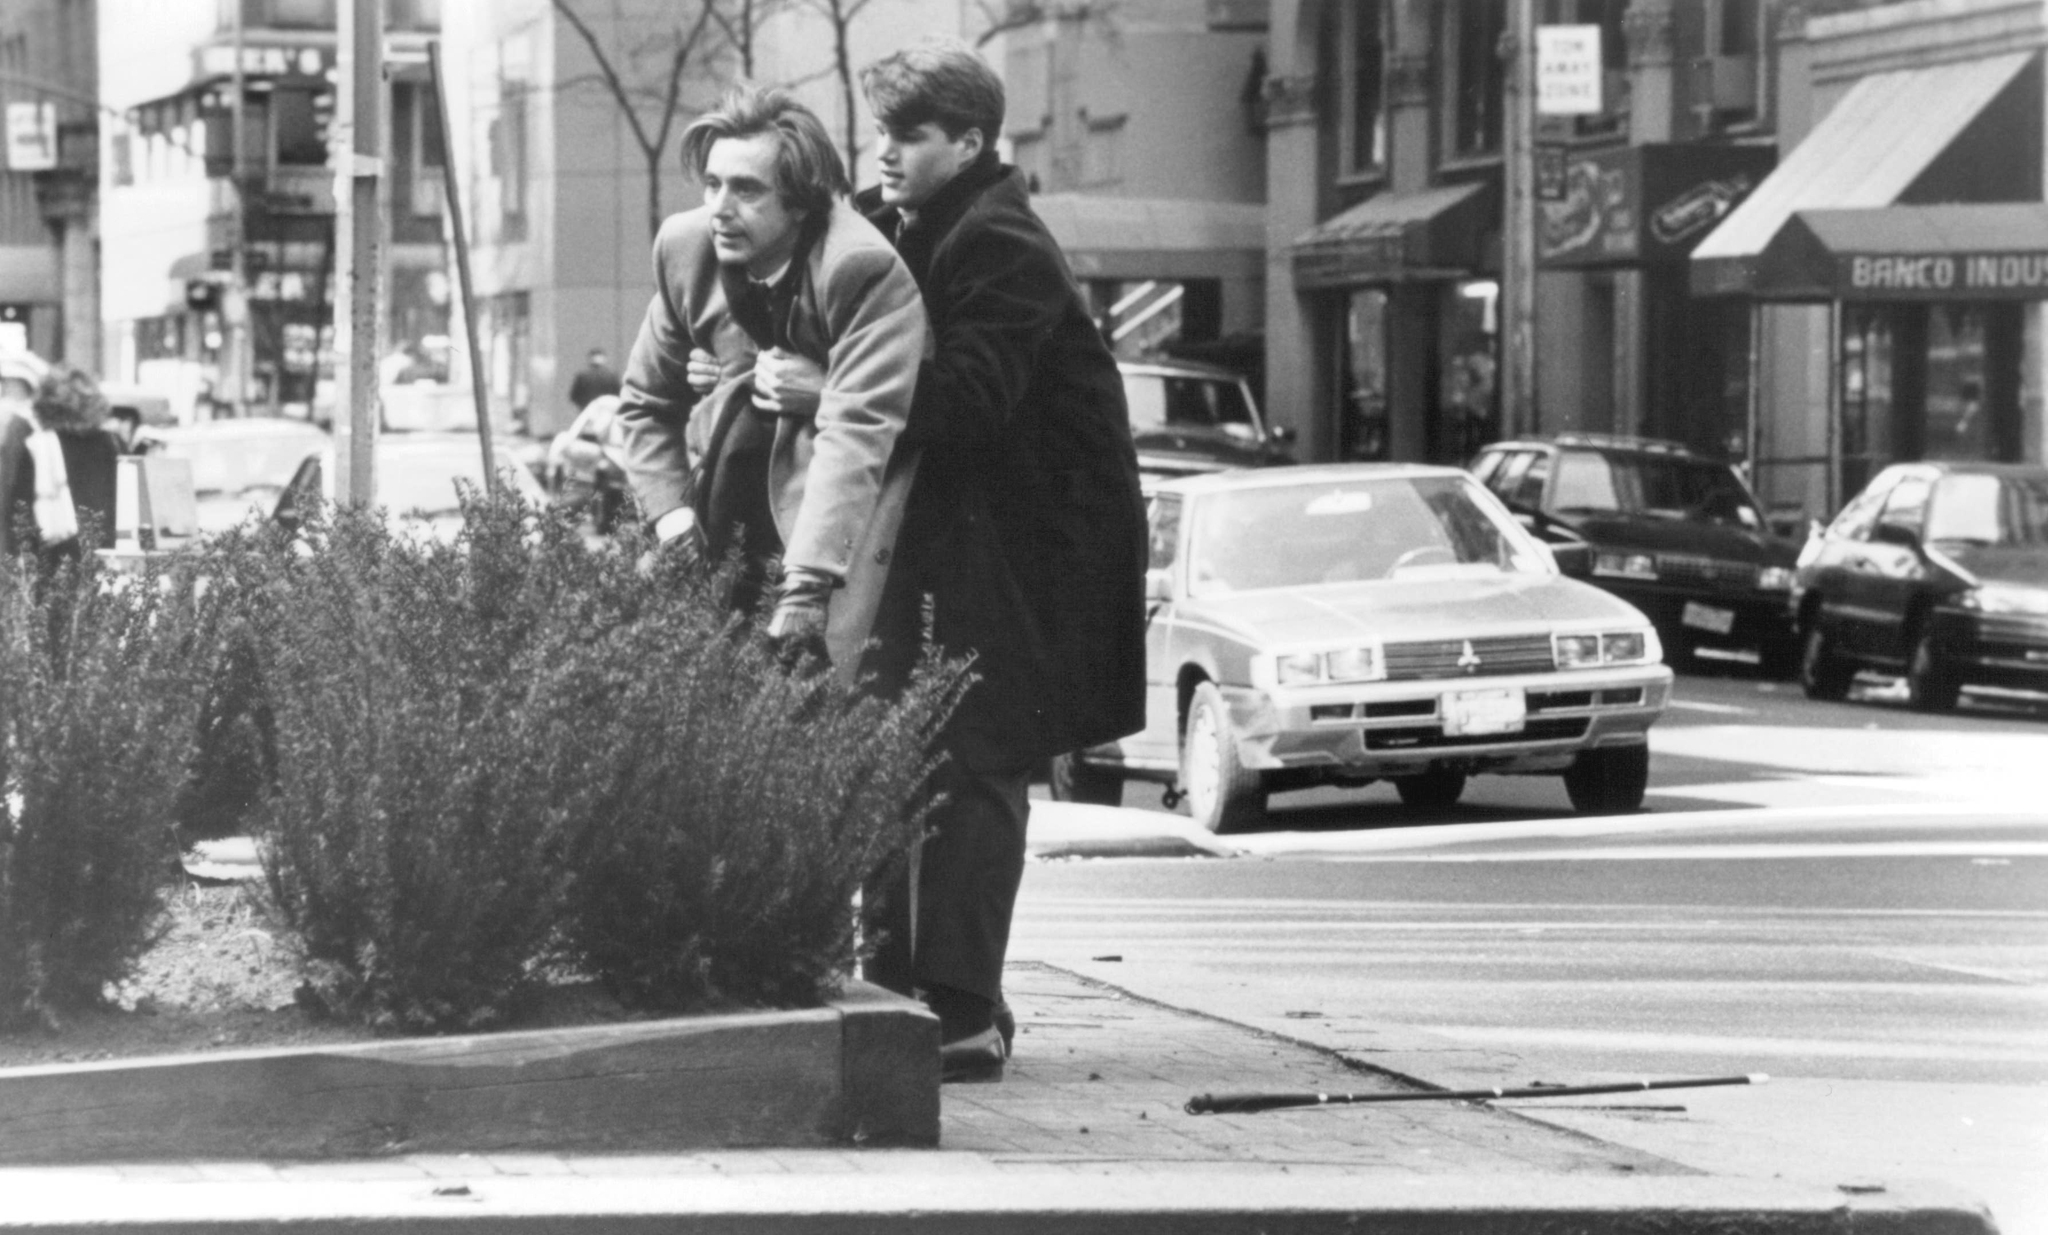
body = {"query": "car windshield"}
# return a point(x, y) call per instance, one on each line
point(1350, 531)
point(1990, 510)
point(1593, 482)
point(1179, 401)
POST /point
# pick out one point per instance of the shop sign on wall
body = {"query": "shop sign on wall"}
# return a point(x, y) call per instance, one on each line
point(1648, 203)
point(1957, 276)
point(31, 137)
point(1568, 70)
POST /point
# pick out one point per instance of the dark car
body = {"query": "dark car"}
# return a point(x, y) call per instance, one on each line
point(1938, 571)
point(1192, 418)
point(1676, 534)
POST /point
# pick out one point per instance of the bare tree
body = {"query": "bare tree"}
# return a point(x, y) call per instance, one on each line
point(740, 21)
point(1022, 14)
point(672, 53)
point(840, 16)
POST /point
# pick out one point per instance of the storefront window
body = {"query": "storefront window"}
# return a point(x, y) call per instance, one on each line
point(1867, 411)
point(1957, 427)
point(1362, 423)
point(1468, 405)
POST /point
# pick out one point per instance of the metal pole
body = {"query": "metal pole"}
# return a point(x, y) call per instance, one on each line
point(240, 336)
point(459, 241)
point(1247, 1103)
point(1518, 227)
point(361, 166)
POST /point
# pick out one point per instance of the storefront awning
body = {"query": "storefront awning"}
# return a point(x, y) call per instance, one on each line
point(1155, 238)
point(1434, 234)
point(1954, 252)
point(1873, 149)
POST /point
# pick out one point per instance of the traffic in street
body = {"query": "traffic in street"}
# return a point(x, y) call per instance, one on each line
point(1849, 897)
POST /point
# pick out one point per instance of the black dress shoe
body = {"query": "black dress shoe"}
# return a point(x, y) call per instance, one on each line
point(974, 1059)
point(1006, 1025)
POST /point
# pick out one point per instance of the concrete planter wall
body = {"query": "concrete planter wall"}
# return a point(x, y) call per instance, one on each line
point(861, 1070)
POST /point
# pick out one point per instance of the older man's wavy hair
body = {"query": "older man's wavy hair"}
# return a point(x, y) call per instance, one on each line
point(808, 171)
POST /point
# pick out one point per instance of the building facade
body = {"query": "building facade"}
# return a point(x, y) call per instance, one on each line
point(49, 273)
point(1892, 265)
point(1387, 141)
point(1141, 129)
point(217, 200)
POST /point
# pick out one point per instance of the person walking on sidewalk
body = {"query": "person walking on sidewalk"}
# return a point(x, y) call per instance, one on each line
point(594, 380)
point(1025, 528)
point(775, 363)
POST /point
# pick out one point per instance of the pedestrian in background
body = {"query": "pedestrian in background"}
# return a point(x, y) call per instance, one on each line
point(776, 362)
point(57, 461)
point(1025, 527)
point(593, 379)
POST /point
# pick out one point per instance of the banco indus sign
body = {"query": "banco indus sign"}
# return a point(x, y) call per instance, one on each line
point(1943, 276)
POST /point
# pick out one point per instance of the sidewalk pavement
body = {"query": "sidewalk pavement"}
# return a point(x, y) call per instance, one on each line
point(1086, 1133)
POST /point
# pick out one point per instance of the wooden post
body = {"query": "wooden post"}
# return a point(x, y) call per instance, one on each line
point(1519, 412)
point(459, 241)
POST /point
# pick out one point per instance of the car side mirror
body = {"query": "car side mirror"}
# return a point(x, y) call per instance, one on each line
point(1573, 557)
point(1158, 584)
point(1895, 534)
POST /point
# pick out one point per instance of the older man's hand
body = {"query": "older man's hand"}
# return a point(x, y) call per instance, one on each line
point(704, 371)
point(787, 384)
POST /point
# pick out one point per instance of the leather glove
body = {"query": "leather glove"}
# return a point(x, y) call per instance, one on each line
point(797, 626)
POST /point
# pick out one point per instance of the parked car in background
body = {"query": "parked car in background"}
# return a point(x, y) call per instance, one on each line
point(417, 481)
point(582, 467)
point(1938, 571)
point(1190, 418)
point(238, 466)
point(1676, 534)
point(1359, 622)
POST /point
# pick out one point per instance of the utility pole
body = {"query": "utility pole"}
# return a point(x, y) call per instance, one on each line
point(1518, 227)
point(359, 166)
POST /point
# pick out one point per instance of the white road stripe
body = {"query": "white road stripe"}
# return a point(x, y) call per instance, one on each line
point(1732, 1047)
point(1701, 853)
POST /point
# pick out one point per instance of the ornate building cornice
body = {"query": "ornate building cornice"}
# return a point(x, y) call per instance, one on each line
point(1290, 101)
point(1408, 79)
point(1648, 27)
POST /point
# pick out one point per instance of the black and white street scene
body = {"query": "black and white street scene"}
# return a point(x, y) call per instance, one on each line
point(1024, 616)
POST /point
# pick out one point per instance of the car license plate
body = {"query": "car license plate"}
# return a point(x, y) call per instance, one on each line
point(1708, 617)
point(1470, 712)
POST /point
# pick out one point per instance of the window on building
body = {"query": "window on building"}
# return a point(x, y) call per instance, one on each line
point(1474, 81)
point(1102, 151)
point(1362, 422)
point(281, 14)
point(509, 159)
point(1362, 112)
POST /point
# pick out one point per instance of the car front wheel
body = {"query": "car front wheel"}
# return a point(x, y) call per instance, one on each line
point(1222, 794)
point(1075, 780)
point(1931, 684)
point(1822, 674)
point(1608, 780)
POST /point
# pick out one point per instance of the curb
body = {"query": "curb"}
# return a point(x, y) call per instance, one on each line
point(779, 1198)
point(860, 1070)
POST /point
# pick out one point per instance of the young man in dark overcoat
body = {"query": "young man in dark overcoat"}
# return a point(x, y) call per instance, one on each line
point(1025, 528)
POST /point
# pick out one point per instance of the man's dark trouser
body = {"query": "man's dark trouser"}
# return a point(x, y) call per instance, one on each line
point(971, 864)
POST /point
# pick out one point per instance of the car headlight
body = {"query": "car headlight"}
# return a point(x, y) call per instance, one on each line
point(1595, 649)
point(2005, 598)
point(1362, 663)
point(1625, 565)
point(1774, 579)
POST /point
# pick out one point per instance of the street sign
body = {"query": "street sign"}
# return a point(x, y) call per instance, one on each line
point(1568, 71)
point(31, 137)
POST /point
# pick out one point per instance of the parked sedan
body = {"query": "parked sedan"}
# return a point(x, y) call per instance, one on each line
point(582, 468)
point(1352, 623)
point(417, 481)
point(1938, 571)
point(1674, 533)
point(239, 466)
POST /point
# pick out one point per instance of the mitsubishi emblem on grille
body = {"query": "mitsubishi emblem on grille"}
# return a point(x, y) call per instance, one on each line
point(1468, 660)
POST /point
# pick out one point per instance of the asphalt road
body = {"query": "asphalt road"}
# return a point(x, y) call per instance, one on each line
point(1877, 942)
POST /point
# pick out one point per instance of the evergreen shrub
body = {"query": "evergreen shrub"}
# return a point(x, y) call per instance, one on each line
point(101, 676)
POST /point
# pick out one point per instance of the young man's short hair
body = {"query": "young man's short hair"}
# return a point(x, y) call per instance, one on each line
point(937, 80)
point(808, 171)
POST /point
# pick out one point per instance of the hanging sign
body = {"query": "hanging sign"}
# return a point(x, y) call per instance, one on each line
point(1568, 71)
point(31, 137)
